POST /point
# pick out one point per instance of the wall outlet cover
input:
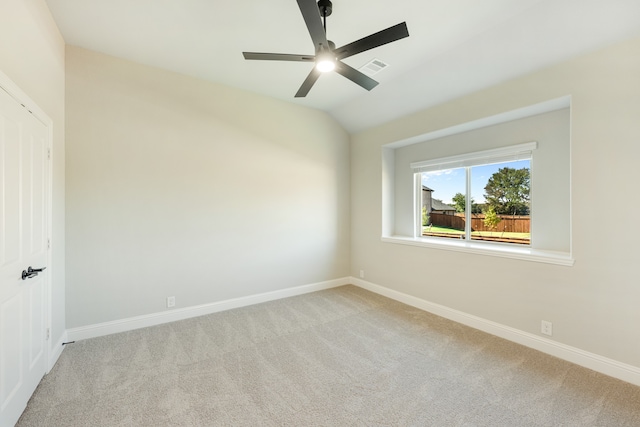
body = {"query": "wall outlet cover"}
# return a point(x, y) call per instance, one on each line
point(546, 328)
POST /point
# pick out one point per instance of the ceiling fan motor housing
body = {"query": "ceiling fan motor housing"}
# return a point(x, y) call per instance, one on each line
point(326, 7)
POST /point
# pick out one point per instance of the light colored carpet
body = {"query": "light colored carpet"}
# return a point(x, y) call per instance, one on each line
point(341, 357)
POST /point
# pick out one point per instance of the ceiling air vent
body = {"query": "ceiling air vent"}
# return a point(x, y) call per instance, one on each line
point(373, 67)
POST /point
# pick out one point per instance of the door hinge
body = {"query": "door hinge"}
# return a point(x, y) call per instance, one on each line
point(48, 333)
point(48, 243)
point(49, 153)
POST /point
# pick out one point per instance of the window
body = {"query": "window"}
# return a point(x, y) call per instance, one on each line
point(482, 196)
point(468, 157)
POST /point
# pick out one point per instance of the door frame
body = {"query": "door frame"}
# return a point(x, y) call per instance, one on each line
point(25, 101)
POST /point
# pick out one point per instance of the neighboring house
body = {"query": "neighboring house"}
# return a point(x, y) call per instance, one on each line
point(435, 205)
point(438, 207)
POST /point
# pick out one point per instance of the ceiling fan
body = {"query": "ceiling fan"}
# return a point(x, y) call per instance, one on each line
point(328, 57)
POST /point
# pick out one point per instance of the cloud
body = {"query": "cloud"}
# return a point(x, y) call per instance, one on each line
point(427, 175)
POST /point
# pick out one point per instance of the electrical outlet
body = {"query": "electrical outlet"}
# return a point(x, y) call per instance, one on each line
point(546, 328)
point(362, 274)
point(171, 302)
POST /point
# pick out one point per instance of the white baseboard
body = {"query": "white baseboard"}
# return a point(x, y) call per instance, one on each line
point(604, 365)
point(56, 351)
point(129, 324)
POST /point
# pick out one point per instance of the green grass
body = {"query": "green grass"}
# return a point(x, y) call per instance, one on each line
point(436, 229)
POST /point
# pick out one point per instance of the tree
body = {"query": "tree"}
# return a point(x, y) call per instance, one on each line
point(491, 219)
point(425, 216)
point(460, 203)
point(507, 191)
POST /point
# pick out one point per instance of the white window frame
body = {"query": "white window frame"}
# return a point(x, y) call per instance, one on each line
point(468, 160)
point(526, 253)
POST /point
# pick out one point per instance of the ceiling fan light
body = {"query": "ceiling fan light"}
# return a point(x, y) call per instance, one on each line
point(325, 65)
point(325, 61)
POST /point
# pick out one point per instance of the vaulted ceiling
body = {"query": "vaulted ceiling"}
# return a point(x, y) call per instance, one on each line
point(455, 46)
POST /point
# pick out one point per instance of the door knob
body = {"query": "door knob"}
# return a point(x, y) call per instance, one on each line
point(31, 272)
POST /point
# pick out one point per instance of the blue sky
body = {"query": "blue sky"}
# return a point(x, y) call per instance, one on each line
point(446, 183)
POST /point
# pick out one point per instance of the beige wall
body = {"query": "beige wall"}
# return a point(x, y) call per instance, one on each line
point(32, 56)
point(594, 304)
point(177, 187)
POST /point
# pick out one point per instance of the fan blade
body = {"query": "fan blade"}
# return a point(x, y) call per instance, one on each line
point(278, 57)
point(308, 83)
point(312, 18)
point(380, 38)
point(355, 76)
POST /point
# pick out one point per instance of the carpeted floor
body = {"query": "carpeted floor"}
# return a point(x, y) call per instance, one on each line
point(341, 357)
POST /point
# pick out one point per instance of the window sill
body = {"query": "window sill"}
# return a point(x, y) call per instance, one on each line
point(497, 250)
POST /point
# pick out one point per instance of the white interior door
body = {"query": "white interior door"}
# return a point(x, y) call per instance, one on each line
point(23, 243)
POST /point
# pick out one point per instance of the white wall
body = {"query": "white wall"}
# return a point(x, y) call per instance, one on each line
point(178, 187)
point(32, 56)
point(594, 304)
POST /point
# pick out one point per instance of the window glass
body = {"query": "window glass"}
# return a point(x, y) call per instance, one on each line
point(500, 201)
point(498, 209)
point(441, 216)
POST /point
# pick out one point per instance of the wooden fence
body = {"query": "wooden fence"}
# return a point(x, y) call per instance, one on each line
point(509, 223)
